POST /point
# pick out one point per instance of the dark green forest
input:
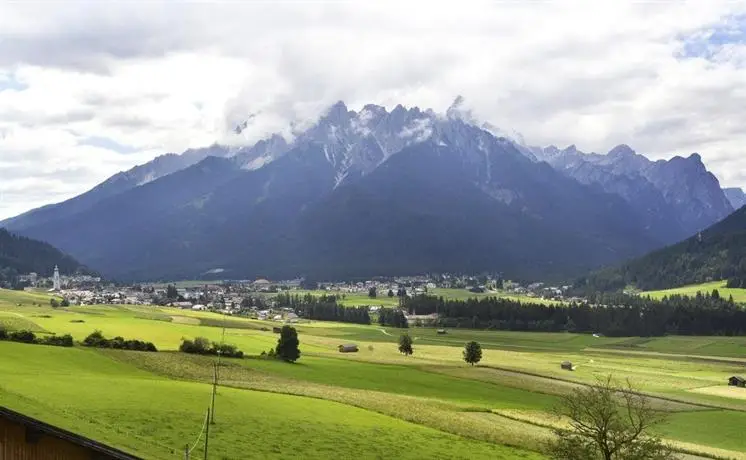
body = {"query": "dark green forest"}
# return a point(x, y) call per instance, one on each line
point(718, 253)
point(613, 314)
point(20, 255)
point(323, 308)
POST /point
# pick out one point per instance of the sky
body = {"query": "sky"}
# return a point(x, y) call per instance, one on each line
point(88, 89)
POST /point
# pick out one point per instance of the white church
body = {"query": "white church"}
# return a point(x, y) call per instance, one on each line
point(56, 284)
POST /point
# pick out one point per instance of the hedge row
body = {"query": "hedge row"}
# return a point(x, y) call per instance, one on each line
point(203, 346)
point(96, 339)
point(29, 337)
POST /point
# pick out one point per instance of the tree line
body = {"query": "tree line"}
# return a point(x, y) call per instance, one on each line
point(25, 336)
point(612, 314)
point(20, 255)
point(322, 308)
point(716, 254)
point(392, 317)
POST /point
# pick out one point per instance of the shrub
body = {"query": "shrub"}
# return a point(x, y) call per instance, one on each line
point(22, 336)
point(77, 321)
point(97, 339)
point(58, 340)
point(29, 337)
point(202, 346)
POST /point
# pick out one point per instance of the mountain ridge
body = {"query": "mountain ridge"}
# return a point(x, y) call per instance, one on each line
point(183, 220)
point(717, 253)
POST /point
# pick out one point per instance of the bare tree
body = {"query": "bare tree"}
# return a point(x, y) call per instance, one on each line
point(609, 421)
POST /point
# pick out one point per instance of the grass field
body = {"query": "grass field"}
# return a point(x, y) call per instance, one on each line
point(372, 404)
point(360, 298)
point(739, 295)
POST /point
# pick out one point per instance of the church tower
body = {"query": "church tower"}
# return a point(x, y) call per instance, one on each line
point(56, 285)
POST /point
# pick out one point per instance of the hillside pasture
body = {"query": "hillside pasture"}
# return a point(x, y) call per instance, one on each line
point(156, 417)
point(371, 402)
point(739, 295)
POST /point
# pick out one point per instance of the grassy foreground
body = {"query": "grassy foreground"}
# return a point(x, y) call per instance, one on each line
point(372, 404)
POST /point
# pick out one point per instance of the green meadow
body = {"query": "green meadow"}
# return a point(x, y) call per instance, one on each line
point(372, 404)
point(354, 299)
point(739, 295)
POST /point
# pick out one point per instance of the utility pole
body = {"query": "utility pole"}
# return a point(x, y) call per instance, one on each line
point(207, 433)
point(211, 411)
point(186, 452)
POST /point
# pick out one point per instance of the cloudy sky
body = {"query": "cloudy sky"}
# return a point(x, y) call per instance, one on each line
point(91, 88)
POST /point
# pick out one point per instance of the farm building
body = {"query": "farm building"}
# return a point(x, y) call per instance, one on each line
point(737, 381)
point(348, 348)
point(442, 331)
point(276, 330)
point(567, 365)
point(23, 437)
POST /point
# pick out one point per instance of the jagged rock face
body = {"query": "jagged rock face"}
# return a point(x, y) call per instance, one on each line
point(736, 196)
point(403, 191)
point(676, 198)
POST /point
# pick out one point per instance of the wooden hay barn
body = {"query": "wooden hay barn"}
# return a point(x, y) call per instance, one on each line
point(25, 438)
point(276, 330)
point(567, 365)
point(348, 348)
point(737, 381)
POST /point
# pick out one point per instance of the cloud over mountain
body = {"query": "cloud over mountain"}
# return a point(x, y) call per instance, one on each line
point(87, 90)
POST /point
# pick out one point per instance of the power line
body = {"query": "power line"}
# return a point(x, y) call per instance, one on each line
point(199, 436)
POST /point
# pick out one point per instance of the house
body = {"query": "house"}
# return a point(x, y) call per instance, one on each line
point(199, 307)
point(23, 437)
point(737, 381)
point(567, 365)
point(262, 283)
point(348, 348)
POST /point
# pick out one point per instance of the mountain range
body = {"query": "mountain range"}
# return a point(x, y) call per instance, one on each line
point(379, 192)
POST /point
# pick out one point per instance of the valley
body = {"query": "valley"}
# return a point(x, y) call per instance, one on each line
point(374, 401)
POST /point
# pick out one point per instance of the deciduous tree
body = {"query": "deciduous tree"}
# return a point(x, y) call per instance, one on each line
point(608, 421)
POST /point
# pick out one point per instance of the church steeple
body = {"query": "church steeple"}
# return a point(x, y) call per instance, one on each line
point(56, 285)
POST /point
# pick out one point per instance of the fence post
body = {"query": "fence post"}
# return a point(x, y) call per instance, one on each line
point(207, 433)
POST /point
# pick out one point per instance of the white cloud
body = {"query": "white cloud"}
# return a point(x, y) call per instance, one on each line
point(154, 77)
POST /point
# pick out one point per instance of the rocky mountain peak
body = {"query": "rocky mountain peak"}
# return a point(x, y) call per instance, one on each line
point(736, 196)
point(621, 150)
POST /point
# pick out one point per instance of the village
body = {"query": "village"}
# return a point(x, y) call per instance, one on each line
point(255, 298)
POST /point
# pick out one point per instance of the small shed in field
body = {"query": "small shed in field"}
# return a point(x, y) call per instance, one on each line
point(276, 330)
point(567, 365)
point(442, 331)
point(737, 381)
point(348, 348)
